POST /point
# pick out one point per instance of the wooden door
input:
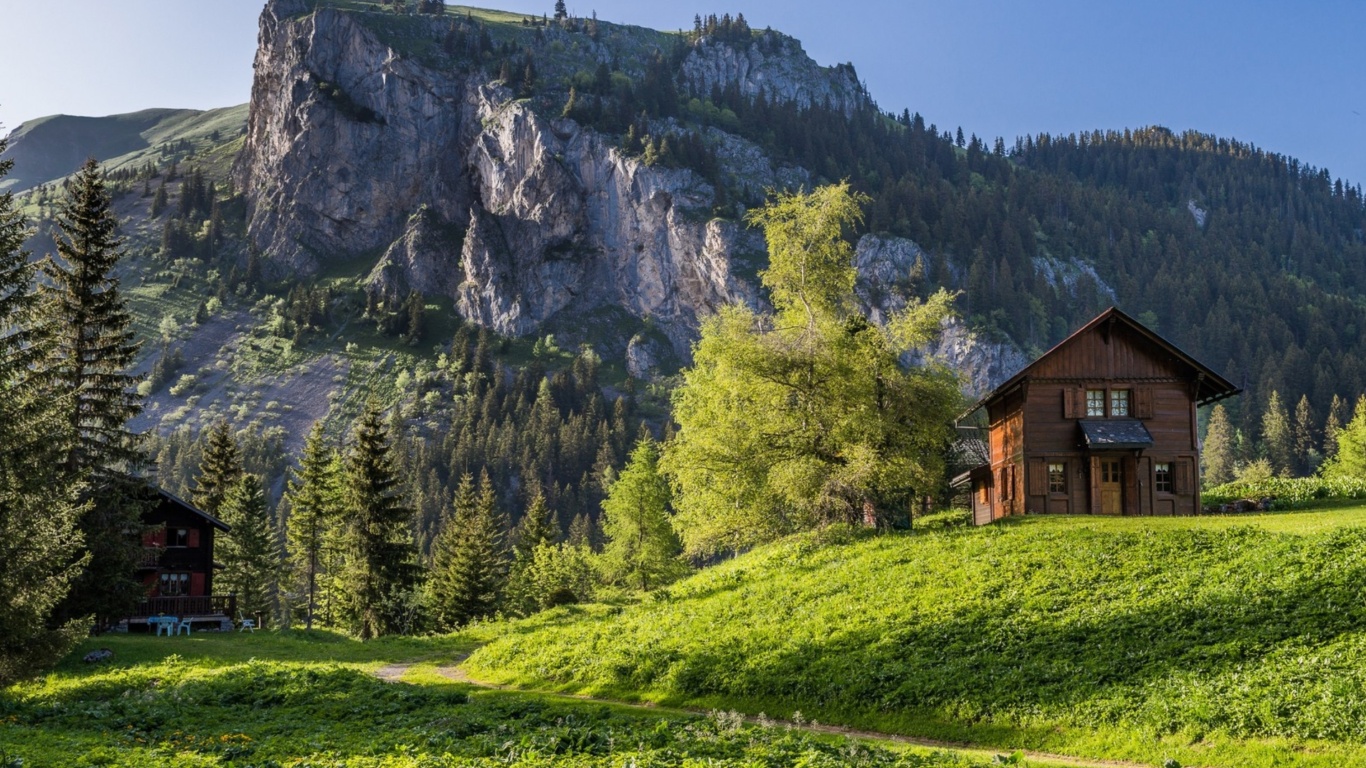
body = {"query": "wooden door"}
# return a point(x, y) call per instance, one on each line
point(1111, 487)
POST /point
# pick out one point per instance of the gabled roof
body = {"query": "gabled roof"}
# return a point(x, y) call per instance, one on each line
point(171, 498)
point(1213, 387)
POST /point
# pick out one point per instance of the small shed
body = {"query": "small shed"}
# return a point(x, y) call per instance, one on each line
point(1104, 424)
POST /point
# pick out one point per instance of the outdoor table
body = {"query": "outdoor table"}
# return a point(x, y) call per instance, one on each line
point(167, 623)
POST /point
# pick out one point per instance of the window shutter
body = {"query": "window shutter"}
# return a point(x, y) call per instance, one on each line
point(1038, 478)
point(197, 584)
point(1143, 402)
point(1094, 480)
point(1183, 477)
point(1069, 404)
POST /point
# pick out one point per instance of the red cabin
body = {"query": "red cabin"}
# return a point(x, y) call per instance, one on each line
point(1103, 424)
point(177, 565)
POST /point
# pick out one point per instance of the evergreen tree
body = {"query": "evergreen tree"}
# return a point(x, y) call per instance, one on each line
point(560, 11)
point(1218, 449)
point(220, 470)
point(1278, 439)
point(582, 532)
point(381, 569)
point(1306, 453)
point(1331, 427)
point(314, 513)
point(250, 552)
point(469, 557)
point(642, 549)
point(89, 352)
point(538, 527)
point(40, 543)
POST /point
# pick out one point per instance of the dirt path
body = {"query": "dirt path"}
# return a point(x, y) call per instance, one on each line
point(393, 672)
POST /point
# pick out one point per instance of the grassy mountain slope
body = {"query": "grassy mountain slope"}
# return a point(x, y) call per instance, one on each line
point(50, 148)
point(1216, 644)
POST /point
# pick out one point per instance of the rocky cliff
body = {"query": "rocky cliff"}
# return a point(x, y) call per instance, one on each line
point(776, 67)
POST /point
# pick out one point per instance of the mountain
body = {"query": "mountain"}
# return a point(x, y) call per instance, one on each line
point(410, 199)
point(50, 148)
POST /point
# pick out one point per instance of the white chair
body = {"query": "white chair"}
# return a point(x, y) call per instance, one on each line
point(244, 624)
point(183, 625)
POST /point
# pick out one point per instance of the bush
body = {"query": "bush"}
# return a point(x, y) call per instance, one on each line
point(1287, 492)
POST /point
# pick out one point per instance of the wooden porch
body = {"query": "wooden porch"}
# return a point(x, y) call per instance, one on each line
point(209, 609)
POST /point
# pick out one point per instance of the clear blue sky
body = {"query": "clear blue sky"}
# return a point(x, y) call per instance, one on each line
point(1288, 77)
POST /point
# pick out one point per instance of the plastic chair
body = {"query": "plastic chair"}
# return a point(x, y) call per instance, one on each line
point(184, 624)
point(246, 624)
point(167, 623)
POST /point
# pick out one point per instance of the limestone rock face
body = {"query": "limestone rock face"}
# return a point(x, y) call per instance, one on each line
point(776, 66)
point(522, 217)
point(885, 269)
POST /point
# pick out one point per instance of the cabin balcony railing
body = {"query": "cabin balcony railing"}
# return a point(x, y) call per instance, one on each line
point(151, 557)
point(187, 605)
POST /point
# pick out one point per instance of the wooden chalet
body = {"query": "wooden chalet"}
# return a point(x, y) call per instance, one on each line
point(1103, 424)
point(177, 565)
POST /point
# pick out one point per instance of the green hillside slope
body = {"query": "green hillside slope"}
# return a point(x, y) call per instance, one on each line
point(1135, 639)
point(49, 148)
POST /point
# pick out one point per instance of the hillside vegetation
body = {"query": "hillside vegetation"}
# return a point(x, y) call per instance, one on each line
point(1211, 642)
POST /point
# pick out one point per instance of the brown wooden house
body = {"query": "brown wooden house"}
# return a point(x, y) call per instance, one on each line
point(1104, 424)
point(177, 567)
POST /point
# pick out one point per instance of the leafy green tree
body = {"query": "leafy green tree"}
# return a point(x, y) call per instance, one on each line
point(1218, 450)
point(89, 354)
point(806, 417)
point(220, 469)
point(1278, 439)
point(469, 557)
point(315, 509)
point(1350, 460)
point(381, 560)
point(642, 549)
point(1331, 427)
point(40, 543)
point(250, 551)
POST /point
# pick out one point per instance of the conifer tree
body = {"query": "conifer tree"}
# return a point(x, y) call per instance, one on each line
point(381, 569)
point(250, 552)
point(314, 513)
point(40, 543)
point(538, 527)
point(1218, 448)
point(1331, 427)
point(469, 557)
point(219, 470)
point(642, 549)
point(89, 352)
point(1350, 460)
point(1306, 454)
point(1278, 439)
point(582, 532)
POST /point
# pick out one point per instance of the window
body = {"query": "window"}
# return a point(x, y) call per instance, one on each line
point(174, 584)
point(1162, 476)
point(1119, 402)
point(1095, 402)
point(177, 537)
point(1057, 478)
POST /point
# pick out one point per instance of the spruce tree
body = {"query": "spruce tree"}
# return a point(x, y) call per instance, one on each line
point(250, 552)
point(40, 543)
point(1278, 440)
point(219, 470)
point(469, 558)
point(537, 528)
point(89, 352)
point(314, 513)
point(1219, 448)
point(381, 558)
point(1306, 454)
point(642, 549)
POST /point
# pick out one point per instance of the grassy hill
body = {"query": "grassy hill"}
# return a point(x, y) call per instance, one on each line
point(1216, 641)
point(315, 699)
point(50, 148)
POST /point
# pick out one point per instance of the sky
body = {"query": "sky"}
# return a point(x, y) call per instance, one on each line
point(1287, 77)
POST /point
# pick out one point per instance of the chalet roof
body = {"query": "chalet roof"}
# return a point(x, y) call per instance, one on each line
point(171, 498)
point(1212, 386)
point(1115, 434)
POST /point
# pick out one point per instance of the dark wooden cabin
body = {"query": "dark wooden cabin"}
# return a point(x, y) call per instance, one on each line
point(177, 567)
point(1104, 424)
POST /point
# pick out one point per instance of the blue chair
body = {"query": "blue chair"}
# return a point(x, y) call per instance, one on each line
point(183, 625)
point(167, 623)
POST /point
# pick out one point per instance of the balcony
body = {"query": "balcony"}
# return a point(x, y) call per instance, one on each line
point(187, 605)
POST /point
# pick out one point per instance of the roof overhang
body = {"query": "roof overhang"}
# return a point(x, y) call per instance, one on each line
point(1115, 434)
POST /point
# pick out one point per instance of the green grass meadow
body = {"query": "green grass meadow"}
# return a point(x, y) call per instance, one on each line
point(1215, 641)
